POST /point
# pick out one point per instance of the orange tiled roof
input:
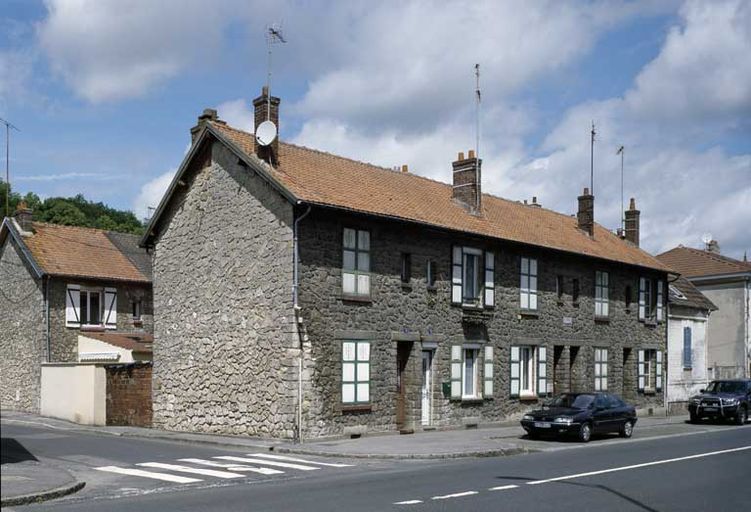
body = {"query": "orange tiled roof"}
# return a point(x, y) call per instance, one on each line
point(322, 178)
point(80, 252)
point(692, 262)
point(137, 342)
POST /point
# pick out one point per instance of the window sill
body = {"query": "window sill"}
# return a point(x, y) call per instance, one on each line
point(473, 307)
point(531, 313)
point(602, 319)
point(365, 299)
point(471, 400)
point(648, 391)
point(357, 408)
point(528, 398)
point(93, 328)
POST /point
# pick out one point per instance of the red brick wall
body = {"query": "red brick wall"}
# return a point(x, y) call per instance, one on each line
point(129, 394)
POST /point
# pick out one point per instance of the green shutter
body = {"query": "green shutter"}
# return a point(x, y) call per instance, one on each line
point(456, 372)
point(542, 371)
point(515, 378)
point(488, 373)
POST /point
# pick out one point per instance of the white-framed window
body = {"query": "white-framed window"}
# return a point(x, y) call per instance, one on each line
point(356, 262)
point(601, 294)
point(528, 286)
point(469, 373)
point(649, 371)
point(355, 372)
point(528, 371)
point(472, 277)
point(601, 369)
point(465, 372)
point(86, 306)
point(651, 299)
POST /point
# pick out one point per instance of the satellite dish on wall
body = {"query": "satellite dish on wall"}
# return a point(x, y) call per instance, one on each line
point(266, 133)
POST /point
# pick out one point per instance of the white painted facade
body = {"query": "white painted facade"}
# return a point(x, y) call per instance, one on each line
point(684, 379)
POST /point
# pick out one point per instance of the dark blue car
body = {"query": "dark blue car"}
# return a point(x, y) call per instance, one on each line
point(723, 399)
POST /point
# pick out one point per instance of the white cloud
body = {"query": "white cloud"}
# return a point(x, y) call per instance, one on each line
point(68, 176)
point(151, 194)
point(703, 71)
point(109, 49)
point(237, 113)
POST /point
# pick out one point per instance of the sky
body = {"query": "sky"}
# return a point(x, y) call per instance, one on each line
point(104, 93)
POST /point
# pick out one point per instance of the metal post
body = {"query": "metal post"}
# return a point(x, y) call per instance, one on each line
point(592, 161)
point(8, 126)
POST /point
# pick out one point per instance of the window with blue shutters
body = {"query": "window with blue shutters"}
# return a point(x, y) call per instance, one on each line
point(687, 348)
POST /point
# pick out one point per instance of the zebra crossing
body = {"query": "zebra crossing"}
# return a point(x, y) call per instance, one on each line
point(225, 467)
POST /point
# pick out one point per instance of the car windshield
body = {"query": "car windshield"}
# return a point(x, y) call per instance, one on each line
point(720, 386)
point(573, 401)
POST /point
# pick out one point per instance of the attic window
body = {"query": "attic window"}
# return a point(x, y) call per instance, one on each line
point(676, 293)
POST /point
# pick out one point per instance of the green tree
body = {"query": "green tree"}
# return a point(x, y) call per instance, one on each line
point(59, 211)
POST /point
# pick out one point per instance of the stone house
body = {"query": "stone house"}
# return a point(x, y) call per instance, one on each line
point(302, 294)
point(726, 282)
point(59, 282)
point(688, 313)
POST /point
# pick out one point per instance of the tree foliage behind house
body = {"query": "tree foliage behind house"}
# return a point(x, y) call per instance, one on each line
point(74, 211)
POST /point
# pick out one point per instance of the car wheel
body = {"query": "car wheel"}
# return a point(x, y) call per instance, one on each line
point(627, 430)
point(585, 432)
point(693, 418)
point(741, 416)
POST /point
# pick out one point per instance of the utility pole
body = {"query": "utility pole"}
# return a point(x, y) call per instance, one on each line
point(592, 161)
point(622, 151)
point(8, 126)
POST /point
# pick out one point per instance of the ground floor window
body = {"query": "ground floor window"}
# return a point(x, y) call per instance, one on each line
point(465, 372)
point(469, 373)
point(601, 369)
point(528, 371)
point(356, 372)
point(649, 370)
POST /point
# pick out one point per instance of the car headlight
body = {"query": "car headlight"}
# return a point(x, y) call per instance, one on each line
point(527, 417)
point(564, 420)
point(729, 401)
point(696, 401)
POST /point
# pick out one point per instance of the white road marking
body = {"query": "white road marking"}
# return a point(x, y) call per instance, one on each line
point(293, 459)
point(408, 502)
point(455, 495)
point(267, 462)
point(187, 469)
point(635, 466)
point(233, 467)
point(149, 474)
point(503, 487)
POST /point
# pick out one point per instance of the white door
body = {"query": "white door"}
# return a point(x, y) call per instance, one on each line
point(427, 386)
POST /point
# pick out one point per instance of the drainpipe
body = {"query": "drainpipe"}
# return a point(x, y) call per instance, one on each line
point(296, 308)
point(47, 315)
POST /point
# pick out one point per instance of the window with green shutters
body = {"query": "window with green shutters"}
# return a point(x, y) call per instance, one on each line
point(355, 372)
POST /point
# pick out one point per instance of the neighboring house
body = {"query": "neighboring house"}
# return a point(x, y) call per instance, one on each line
point(727, 283)
point(59, 282)
point(114, 347)
point(325, 296)
point(688, 313)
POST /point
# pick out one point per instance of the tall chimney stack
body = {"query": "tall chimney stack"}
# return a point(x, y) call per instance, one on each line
point(632, 223)
point(267, 109)
point(23, 216)
point(586, 215)
point(467, 181)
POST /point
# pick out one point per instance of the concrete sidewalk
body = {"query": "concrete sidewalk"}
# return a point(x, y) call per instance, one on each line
point(25, 479)
point(497, 440)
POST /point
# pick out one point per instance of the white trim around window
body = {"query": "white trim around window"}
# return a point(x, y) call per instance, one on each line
point(355, 372)
point(601, 369)
point(356, 262)
point(528, 284)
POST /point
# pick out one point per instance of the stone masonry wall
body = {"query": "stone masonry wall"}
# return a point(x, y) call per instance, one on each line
point(64, 340)
point(415, 312)
point(224, 350)
point(22, 332)
point(129, 394)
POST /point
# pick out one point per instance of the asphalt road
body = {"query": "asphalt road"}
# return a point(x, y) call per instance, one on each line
point(708, 471)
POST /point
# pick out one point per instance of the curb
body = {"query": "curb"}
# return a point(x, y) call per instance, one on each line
point(39, 497)
point(215, 442)
point(508, 452)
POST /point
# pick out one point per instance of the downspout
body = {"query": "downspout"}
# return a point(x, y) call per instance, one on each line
point(47, 316)
point(296, 308)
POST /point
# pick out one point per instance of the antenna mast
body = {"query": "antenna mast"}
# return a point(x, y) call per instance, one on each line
point(478, 97)
point(592, 161)
point(622, 151)
point(274, 36)
point(8, 126)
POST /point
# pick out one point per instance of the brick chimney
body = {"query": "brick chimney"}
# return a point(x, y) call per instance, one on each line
point(23, 216)
point(632, 223)
point(467, 181)
point(586, 215)
point(262, 104)
point(209, 114)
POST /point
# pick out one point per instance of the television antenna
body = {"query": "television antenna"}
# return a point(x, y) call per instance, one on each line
point(706, 238)
point(622, 151)
point(267, 131)
point(592, 160)
point(8, 127)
